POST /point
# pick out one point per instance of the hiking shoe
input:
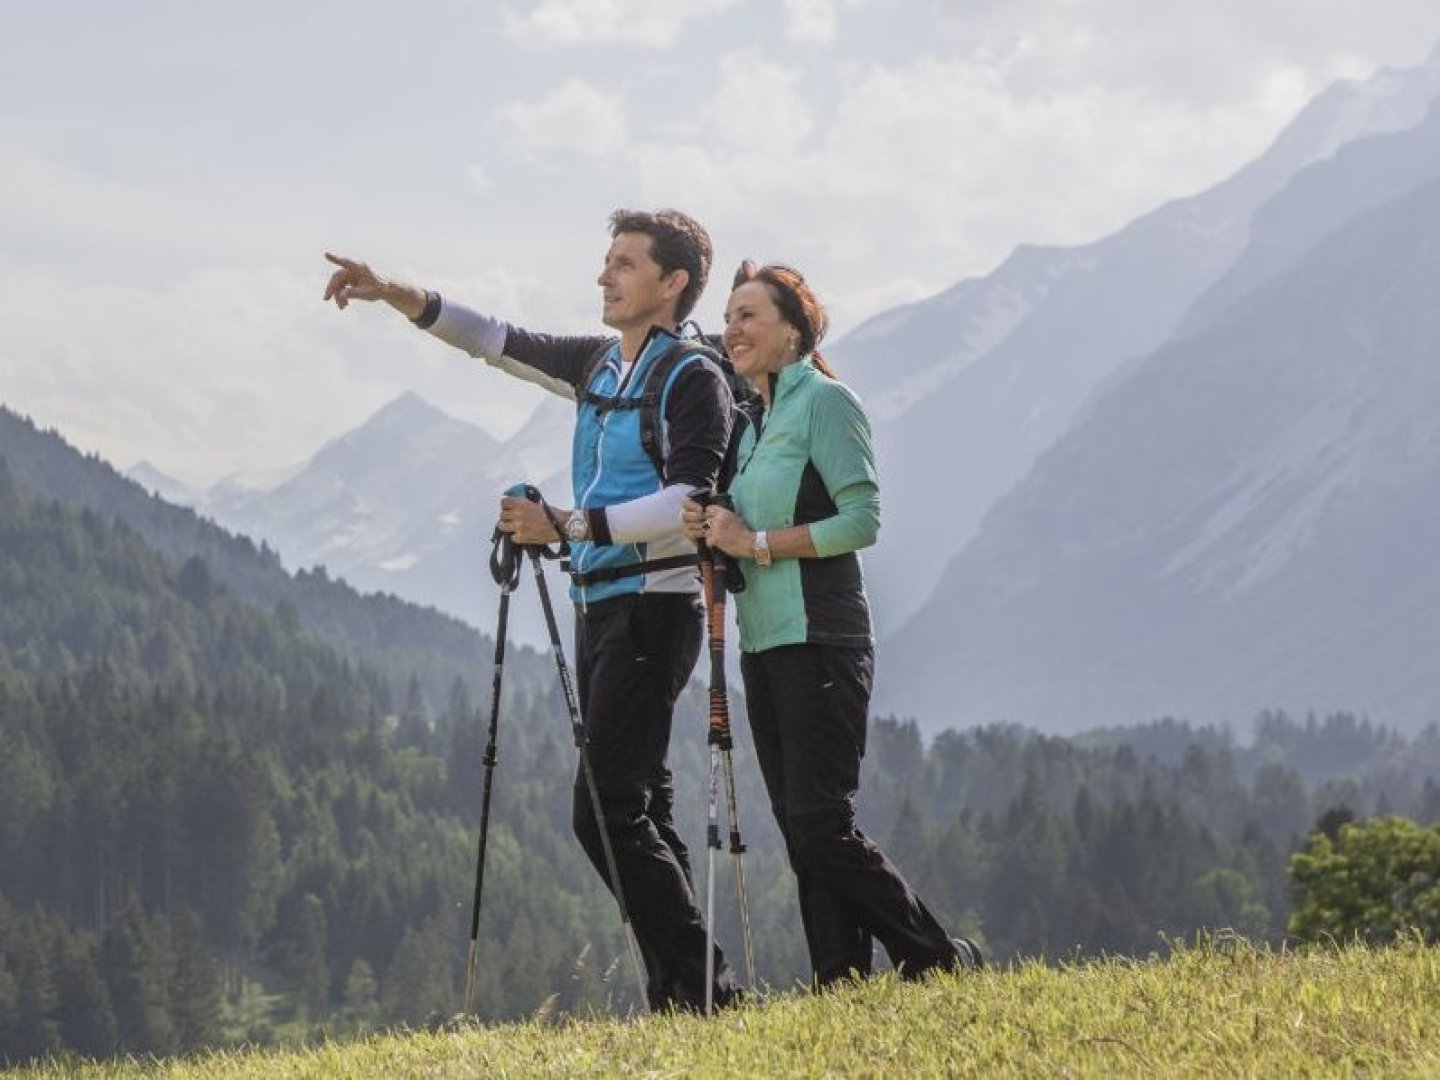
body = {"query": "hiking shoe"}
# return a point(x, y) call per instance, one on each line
point(968, 954)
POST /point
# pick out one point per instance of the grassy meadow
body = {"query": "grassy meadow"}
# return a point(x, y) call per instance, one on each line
point(1221, 1009)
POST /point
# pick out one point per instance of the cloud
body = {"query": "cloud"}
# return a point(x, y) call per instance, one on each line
point(759, 105)
point(476, 178)
point(953, 132)
point(649, 23)
point(161, 235)
point(919, 173)
point(813, 21)
point(575, 116)
point(64, 211)
point(1200, 54)
point(235, 370)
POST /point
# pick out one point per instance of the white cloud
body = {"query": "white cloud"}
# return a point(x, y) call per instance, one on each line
point(1198, 54)
point(476, 178)
point(61, 208)
point(575, 116)
point(758, 105)
point(160, 236)
point(225, 371)
point(651, 23)
point(812, 21)
point(922, 173)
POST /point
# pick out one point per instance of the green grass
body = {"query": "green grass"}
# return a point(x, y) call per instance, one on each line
point(1216, 1010)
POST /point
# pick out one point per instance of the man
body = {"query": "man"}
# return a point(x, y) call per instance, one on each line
point(638, 613)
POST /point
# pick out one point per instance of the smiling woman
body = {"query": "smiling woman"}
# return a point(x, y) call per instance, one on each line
point(806, 500)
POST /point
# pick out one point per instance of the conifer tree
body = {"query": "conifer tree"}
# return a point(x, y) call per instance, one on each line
point(419, 985)
point(361, 1006)
point(133, 963)
point(87, 1021)
point(34, 1031)
point(196, 995)
point(311, 969)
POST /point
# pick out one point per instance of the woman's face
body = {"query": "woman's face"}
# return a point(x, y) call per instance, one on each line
point(757, 337)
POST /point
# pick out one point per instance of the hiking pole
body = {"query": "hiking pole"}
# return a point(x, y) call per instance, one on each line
point(505, 569)
point(716, 575)
point(712, 817)
point(582, 743)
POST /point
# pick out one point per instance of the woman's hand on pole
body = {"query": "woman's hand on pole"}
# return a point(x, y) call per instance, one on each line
point(726, 532)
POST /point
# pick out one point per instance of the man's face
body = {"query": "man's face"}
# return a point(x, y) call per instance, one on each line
point(636, 293)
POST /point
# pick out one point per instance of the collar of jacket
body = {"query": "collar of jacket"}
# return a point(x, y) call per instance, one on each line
point(647, 347)
point(790, 376)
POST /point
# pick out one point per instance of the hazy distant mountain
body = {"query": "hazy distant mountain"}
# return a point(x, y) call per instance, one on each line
point(1320, 198)
point(374, 497)
point(385, 634)
point(1247, 520)
point(406, 504)
point(969, 387)
point(167, 487)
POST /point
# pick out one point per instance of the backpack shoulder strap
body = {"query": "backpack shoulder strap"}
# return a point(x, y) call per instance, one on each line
point(650, 400)
point(587, 374)
point(657, 382)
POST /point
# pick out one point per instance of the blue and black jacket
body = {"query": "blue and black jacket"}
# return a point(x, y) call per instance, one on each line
point(609, 466)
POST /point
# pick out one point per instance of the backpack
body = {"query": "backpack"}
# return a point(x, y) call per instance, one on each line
point(745, 409)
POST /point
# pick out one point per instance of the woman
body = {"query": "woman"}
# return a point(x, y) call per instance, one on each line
point(806, 499)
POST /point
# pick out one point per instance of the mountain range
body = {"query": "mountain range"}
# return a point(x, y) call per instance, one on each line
point(1139, 463)
point(967, 389)
point(1248, 520)
point(404, 504)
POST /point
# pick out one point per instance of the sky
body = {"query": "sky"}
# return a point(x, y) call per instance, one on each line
point(171, 172)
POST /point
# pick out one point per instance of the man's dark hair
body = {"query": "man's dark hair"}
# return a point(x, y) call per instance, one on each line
point(677, 242)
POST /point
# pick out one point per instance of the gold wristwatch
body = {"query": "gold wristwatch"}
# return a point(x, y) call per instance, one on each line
point(762, 548)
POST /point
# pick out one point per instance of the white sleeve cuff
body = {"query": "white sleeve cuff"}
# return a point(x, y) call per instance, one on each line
point(482, 336)
point(649, 517)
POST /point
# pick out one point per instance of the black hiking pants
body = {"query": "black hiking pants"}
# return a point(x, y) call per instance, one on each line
point(808, 708)
point(634, 656)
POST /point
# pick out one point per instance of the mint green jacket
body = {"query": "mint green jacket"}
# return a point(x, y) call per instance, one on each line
point(811, 462)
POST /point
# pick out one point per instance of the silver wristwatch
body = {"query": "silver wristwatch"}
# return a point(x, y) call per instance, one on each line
point(577, 528)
